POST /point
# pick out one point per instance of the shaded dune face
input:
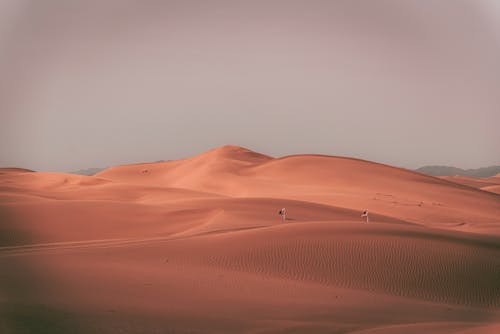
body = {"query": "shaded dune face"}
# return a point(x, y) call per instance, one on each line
point(197, 245)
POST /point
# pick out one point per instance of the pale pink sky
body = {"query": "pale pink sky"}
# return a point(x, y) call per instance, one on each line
point(97, 83)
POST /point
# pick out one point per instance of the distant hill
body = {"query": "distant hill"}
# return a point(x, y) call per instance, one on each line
point(88, 171)
point(452, 171)
point(93, 171)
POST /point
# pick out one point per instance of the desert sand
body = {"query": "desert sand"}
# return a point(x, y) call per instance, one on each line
point(196, 246)
point(491, 184)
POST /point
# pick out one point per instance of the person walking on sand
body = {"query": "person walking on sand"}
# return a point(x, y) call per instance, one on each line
point(365, 214)
point(282, 213)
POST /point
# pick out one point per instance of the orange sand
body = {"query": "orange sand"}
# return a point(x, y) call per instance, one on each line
point(196, 246)
point(491, 184)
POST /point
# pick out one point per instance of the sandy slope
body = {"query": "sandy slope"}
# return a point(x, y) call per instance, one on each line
point(345, 182)
point(491, 184)
point(470, 181)
point(196, 246)
point(494, 189)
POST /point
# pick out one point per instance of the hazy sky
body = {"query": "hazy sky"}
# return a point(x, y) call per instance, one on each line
point(96, 83)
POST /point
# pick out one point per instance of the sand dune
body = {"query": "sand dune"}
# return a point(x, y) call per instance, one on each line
point(196, 246)
point(491, 184)
point(495, 178)
point(12, 170)
point(391, 260)
point(470, 181)
point(345, 182)
point(451, 327)
point(494, 189)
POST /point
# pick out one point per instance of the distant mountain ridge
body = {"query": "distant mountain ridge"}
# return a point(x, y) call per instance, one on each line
point(88, 171)
point(452, 171)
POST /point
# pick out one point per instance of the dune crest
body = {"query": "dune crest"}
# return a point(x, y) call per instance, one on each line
point(14, 170)
point(352, 183)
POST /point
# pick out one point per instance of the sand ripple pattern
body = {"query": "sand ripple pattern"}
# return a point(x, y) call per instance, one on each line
point(434, 270)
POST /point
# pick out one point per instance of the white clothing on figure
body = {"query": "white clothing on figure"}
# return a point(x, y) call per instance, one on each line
point(282, 213)
point(365, 214)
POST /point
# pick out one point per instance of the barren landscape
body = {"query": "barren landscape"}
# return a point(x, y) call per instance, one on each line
point(197, 246)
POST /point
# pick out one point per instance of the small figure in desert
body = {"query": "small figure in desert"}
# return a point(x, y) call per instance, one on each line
point(282, 213)
point(365, 215)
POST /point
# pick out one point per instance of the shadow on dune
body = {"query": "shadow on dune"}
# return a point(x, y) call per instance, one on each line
point(21, 310)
